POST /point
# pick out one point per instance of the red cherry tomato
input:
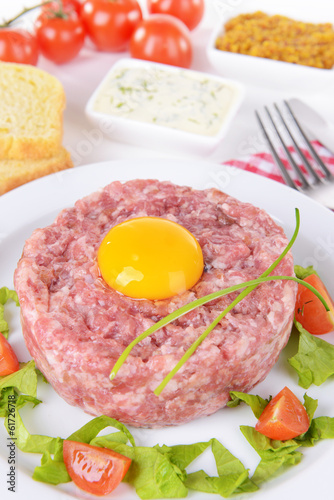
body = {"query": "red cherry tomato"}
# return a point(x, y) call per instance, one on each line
point(68, 5)
point(310, 312)
point(189, 11)
point(8, 360)
point(93, 469)
point(18, 46)
point(164, 39)
point(110, 24)
point(60, 36)
point(284, 417)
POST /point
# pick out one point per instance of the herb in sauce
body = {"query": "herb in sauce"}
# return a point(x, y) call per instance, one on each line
point(180, 100)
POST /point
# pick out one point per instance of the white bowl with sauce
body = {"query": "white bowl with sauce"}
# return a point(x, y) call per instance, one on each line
point(164, 107)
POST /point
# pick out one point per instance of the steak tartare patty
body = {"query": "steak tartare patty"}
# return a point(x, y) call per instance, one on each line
point(76, 327)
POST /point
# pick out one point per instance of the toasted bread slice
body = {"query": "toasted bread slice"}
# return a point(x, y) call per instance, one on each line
point(14, 173)
point(31, 112)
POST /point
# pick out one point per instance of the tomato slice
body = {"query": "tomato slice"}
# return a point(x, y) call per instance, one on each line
point(93, 469)
point(8, 360)
point(310, 312)
point(284, 417)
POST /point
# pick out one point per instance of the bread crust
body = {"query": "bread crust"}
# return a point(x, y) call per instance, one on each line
point(14, 173)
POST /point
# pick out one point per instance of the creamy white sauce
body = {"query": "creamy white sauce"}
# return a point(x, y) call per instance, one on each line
point(182, 100)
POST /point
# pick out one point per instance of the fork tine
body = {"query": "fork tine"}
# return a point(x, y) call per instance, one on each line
point(293, 164)
point(277, 159)
point(316, 178)
point(313, 152)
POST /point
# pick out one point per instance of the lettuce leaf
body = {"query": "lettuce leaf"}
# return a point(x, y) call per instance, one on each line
point(320, 428)
point(310, 406)
point(160, 471)
point(314, 361)
point(275, 456)
point(10, 397)
point(5, 295)
point(304, 272)
point(51, 470)
point(152, 473)
point(31, 443)
point(24, 380)
point(90, 430)
point(232, 476)
point(182, 455)
point(155, 472)
point(256, 403)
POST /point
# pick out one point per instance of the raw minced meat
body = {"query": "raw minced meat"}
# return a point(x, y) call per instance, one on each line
point(76, 327)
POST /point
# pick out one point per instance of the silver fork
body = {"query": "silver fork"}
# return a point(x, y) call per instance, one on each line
point(317, 183)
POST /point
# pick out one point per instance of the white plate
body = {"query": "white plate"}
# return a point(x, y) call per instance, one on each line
point(266, 72)
point(37, 203)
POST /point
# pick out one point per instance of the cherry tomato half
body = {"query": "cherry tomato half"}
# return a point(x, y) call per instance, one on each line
point(310, 312)
point(164, 39)
point(189, 11)
point(93, 469)
point(110, 24)
point(8, 360)
point(18, 46)
point(60, 37)
point(284, 417)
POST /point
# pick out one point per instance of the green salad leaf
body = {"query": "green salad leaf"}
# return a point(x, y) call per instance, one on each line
point(314, 361)
point(232, 477)
point(182, 455)
point(275, 455)
point(51, 470)
point(256, 403)
point(151, 473)
point(5, 295)
point(89, 431)
point(155, 472)
point(31, 443)
point(24, 380)
point(10, 397)
point(304, 272)
point(310, 406)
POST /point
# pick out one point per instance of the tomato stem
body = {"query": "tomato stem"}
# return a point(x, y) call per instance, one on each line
point(59, 12)
point(24, 11)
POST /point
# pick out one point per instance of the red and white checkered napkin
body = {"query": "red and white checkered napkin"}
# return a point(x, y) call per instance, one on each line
point(263, 163)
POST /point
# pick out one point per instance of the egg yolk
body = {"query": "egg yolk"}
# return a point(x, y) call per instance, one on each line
point(150, 258)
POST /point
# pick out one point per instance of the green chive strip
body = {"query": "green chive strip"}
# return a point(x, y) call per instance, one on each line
point(236, 301)
point(251, 285)
point(203, 300)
